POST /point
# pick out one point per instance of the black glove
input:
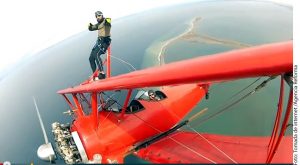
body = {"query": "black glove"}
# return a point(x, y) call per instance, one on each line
point(90, 26)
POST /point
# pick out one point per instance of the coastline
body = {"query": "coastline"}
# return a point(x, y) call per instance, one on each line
point(189, 31)
point(191, 35)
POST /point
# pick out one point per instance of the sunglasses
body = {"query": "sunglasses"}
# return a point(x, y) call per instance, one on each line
point(99, 15)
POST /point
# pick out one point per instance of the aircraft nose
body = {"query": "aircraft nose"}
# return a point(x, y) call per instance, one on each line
point(46, 152)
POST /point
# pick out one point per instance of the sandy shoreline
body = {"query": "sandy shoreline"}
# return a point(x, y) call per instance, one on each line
point(191, 35)
point(174, 39)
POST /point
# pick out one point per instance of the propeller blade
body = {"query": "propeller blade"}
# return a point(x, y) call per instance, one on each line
point(45, 151)
point(41, 121)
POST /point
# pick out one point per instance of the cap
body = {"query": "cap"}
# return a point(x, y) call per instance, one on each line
point(98, 13)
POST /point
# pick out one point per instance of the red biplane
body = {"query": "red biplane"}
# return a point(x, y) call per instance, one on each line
point(105, 131)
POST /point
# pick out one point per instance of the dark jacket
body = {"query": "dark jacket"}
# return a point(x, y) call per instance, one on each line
point(102, 27)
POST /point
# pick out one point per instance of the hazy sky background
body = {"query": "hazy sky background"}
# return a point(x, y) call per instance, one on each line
point(28, 26)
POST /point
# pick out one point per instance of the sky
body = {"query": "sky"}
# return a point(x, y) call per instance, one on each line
point(28, 26)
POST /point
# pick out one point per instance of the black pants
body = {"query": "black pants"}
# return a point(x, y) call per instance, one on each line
point(100, 47)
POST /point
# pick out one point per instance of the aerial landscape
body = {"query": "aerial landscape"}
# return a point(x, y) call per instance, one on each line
point(220, 71)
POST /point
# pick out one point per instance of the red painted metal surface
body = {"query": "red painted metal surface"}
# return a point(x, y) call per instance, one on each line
point(112, 134)
point(78, 111)
point(241, 149)
point(108, 70)
point(94, 114)
point(114, 137)
point(271, 59)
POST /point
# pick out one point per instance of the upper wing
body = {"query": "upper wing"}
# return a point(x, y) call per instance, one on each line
point(270, 59)
point(191, 147)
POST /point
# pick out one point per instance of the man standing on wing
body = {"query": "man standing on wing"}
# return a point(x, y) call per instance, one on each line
point(103, 26)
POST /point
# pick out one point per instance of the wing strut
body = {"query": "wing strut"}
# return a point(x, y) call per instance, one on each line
point(278, 117)
point(108, 62)
point(94, 109)
point(229, 105)
point(126, 102)
point(283, 127)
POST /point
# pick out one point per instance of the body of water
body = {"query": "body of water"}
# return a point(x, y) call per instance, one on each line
point(137, 39)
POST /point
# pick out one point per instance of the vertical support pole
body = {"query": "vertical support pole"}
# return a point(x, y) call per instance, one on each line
point(283, 126)
point(94, 109)
point(126, 102)
point(102, 101)
point(108, 62)
point(79, 111)
point(278, 117)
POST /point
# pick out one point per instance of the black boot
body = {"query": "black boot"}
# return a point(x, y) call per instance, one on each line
point(101, 76)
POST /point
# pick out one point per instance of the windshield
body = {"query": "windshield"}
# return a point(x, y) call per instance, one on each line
point(142, 95)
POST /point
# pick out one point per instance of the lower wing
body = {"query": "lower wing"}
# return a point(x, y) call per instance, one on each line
point(192, 147)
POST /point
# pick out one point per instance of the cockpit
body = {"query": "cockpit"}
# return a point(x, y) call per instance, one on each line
point(135, 105)
point(145, 95)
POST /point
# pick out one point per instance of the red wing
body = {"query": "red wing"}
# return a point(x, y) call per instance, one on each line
point(190, 147)
point(271, 59)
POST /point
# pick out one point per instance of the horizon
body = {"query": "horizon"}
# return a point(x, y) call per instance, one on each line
point(47, 23)
point(55, 34)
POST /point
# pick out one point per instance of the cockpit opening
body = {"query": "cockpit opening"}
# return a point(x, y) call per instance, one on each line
point(135, 105)
point(156, 95)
